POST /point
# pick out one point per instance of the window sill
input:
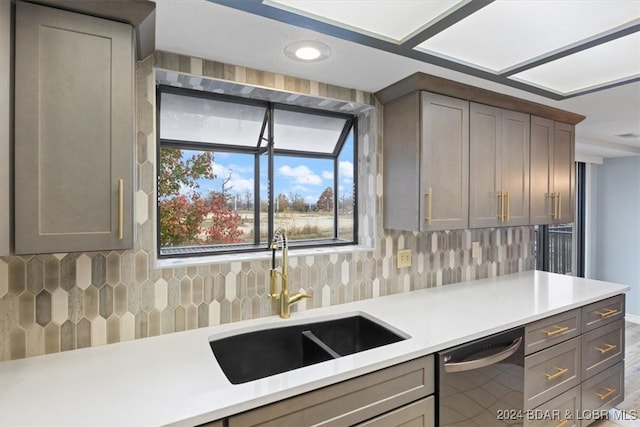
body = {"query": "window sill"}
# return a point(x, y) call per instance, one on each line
point(255, 256)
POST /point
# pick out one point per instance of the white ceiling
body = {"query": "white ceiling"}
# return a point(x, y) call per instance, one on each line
point(203, 29)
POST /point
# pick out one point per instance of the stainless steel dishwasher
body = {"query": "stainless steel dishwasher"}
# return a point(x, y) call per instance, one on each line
point(481, 383)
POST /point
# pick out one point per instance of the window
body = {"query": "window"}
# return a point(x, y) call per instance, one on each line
point(231, 170)
point(560, 247)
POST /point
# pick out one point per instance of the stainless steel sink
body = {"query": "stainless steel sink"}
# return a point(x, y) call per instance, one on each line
point(254, 355)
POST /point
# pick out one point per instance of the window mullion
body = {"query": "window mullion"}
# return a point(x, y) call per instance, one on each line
point(336, 198)
point(270, 197)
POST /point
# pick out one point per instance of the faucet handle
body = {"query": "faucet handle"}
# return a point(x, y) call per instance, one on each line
point(273, 284)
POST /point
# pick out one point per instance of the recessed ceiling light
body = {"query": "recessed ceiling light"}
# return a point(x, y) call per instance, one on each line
point(307, 51)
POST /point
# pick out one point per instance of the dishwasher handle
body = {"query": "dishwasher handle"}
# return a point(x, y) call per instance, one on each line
point(469, 365)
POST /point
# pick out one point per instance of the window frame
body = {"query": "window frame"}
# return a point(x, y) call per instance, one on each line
point(543, 259)
point(266, 134)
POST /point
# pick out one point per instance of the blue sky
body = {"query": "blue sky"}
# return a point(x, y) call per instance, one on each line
point(306, 177)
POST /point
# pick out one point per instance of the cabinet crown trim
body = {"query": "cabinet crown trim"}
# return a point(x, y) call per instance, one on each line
point(421, 81)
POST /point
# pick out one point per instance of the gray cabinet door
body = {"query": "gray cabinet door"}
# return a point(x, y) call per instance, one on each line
point(73, 132)
point(485, 193)
point(541, 202)
point(514, 171)
point(564, 171)
point(498, 167)
point(552, 172)
point(444, 168)
point(426, 163)
point(5, 133)
point(401, 164)
point(416, 414)
point(349, 402)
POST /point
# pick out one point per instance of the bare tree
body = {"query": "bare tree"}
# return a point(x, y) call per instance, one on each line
point(247, 199)
point(225, 188)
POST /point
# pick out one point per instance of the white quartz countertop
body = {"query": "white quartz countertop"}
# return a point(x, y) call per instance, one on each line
point(175, 379)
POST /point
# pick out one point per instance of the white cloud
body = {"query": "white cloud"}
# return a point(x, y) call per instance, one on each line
point(327, 174)
point(220, 169)
point(345, 169)
point(237, 183)
point(240, 185)
point(301, 175)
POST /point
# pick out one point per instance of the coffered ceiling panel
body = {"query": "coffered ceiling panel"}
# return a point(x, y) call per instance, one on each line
point(555, 48)
point(394, 21)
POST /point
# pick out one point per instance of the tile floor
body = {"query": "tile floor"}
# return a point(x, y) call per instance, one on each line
point(631, 403)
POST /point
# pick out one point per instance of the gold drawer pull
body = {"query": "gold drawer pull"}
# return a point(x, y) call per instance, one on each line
point(608, 312)
point(508, 207)
point(430, 196)
point(608, 349)
point(563, 422)
point(560, 371)
point(120, 209)
point(559, 205)
point(608, 393)
point(558, 330)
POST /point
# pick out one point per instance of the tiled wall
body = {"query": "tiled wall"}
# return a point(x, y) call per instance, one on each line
point(59, 302)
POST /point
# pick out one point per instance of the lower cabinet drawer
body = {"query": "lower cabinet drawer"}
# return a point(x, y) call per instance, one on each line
point(561, 411)
point(552, 330)
point(602, 392)
point(417, 414)
point(551, 372)
point(602, 312)
point(602, 348)
point(349, 402)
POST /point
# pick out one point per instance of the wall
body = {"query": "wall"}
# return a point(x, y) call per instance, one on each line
point(58, 302)
point(616, 249)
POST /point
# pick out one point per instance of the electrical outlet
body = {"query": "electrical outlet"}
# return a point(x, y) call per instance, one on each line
point(404, 258)
point(475, 250)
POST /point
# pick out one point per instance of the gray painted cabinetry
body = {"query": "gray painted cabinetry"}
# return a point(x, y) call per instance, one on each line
point(574, 364)
point(552, 172)
point(498, 167)
point(573, 370)
point(426, 163)
point(5, 126)
point(73, 132)
point(393, 396)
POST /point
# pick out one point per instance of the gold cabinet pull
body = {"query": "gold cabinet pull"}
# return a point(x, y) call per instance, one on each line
point(607, 349)
point(558, 330)
point(121, 209)
point(562, 423)
point(559, 205)
point(606, 394)
point(608, 312)
point(500, 206)
point(429, 195)
point(508, 207)
point(553, 205)
point(559, 372)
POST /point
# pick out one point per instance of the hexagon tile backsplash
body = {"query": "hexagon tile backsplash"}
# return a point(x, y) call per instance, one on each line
point(58, 302)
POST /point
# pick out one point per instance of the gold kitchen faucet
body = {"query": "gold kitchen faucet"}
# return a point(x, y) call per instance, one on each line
point(286, 301)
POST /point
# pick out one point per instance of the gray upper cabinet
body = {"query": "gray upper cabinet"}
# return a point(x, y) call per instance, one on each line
point(426, 163)
point(498, 167)
point(552, 172)
point(74, 114)
point(5, 126)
